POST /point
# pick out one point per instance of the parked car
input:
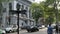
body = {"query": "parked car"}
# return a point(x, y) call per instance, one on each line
point(8, 29)
point(53, 26)
point(42, 26)
point(11, 28)
point(2, 31)
point(32, 28)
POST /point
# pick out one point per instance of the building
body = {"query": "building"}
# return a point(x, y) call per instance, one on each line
point(9, 18)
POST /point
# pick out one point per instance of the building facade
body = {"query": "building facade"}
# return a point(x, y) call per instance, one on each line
point(9, 18)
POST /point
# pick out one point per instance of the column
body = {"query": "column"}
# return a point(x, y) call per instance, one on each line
point(28, 16)
point(4, 20)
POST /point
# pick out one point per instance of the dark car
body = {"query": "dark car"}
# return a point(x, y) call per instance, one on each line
point(32, 28)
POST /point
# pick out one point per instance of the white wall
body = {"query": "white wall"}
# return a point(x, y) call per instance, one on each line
point(14, 5)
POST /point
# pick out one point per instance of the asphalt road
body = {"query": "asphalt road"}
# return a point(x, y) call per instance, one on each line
point(41, 31)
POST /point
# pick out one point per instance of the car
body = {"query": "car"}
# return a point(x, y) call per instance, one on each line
point(53, 26)
point(8, 29)
point(2, 31)
point(32, 28)
point(42, 26)
point(15, 28)
point(11, 28)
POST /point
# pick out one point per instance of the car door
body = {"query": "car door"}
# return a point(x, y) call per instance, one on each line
point(15, 28)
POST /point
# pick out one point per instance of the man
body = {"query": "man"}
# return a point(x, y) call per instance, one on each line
point(56, 29)
point(50, 29)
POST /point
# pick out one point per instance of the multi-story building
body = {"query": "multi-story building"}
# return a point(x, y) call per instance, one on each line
point(9, 18)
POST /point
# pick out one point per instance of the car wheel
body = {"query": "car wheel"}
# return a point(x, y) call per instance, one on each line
point(37, 29)
point(10, 31)
point(28, 31)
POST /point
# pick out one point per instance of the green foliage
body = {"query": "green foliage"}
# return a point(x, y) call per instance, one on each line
point(36, 11)
point(42, 10)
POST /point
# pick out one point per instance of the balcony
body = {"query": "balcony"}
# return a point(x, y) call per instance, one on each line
point(24, 15)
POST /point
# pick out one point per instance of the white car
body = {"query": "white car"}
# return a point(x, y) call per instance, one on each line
point(8, 29)
point(11, 29)
point(53, 25)
point(41, 27)
point(2, 31)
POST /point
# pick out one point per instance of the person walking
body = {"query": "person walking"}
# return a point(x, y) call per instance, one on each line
point(50, 30)
point(56, 29)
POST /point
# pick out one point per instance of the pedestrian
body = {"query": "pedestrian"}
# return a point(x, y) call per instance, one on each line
point(56, 29)
point(50, 30)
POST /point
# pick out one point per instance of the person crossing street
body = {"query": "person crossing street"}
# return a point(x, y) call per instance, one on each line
point(50, 30)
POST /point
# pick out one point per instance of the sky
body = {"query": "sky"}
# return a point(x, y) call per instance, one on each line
point(39, 1)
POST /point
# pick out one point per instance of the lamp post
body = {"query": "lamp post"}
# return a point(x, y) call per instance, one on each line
point(18, 7)
point(17, 12)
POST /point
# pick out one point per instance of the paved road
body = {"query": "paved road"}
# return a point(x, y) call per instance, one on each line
point(41, 31)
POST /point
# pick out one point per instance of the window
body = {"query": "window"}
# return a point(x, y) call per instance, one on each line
point(4, 10)
point(26, 8)
point(26, 21)
point(22, 7)
point(30, 14)
point(10, 6)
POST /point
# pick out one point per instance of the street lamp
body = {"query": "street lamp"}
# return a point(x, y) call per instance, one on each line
point(17, 12)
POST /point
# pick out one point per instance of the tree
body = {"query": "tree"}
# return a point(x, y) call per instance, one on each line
point(47, 10)
point(36, 11)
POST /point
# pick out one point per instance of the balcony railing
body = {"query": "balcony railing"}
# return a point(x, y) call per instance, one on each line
point(24, 15)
